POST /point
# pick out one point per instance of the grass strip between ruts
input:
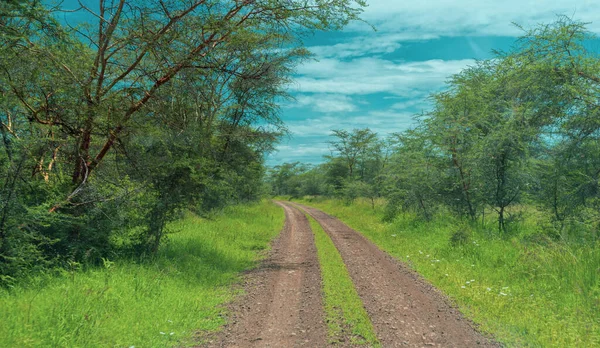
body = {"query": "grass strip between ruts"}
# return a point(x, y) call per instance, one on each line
point(344, 311)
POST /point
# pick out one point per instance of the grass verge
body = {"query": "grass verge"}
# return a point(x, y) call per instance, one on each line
point(344, 311)
point(164, 301)
point(524, 292)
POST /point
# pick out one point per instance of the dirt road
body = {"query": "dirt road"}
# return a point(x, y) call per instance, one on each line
point(283, 306)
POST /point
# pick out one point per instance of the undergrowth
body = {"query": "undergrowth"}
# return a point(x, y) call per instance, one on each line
point(344, 311)
point(170, 299)
point(525, 289)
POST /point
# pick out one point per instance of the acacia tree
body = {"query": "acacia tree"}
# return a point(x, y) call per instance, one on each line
point(156, 105)
point(353, 147)
point(137, 48)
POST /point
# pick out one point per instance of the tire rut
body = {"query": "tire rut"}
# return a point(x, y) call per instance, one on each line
point(405, 310)
point(283, 304)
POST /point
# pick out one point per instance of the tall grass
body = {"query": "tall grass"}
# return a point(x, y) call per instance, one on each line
point(344, 310)
point(525, 289)
point(167, 300)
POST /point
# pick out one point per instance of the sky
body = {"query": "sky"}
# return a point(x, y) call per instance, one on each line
point(381, 79)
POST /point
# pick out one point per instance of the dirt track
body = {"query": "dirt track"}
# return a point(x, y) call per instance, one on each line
point(283, 306)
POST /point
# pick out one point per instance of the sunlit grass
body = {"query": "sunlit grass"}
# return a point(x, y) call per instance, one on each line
point(164, 301)
point(344, 309)
point(525, 293)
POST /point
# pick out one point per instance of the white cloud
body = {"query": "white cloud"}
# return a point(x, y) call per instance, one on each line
point(382, 122)
point(471, 17)
point(412, 104)
point(374, 75)
point(360, 46)
point(325, 103)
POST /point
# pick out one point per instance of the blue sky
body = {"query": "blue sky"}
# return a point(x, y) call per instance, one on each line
point(361, 78)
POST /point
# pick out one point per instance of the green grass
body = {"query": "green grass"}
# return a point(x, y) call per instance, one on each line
point(344, 309)
point(165, 301)
point(525, 293)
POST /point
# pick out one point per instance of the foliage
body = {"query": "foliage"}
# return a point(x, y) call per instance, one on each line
point(168, 299)
point(110, 128)
point(519, 129)
point(527, 290)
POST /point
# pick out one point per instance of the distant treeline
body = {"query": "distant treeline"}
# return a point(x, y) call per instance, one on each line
point(519, 130)
point(109, 127)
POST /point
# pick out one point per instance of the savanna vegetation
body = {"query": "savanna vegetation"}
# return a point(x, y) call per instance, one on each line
point(174, 297)
point(494, 194)
point(116, 119)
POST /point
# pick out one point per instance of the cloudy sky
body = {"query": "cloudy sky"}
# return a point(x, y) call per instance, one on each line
point(381, 79)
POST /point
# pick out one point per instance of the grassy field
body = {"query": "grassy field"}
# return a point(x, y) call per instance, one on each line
point(525, 292)
point(165, 301)
point(344, 311)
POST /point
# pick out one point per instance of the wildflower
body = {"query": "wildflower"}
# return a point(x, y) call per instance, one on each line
point(162, 333)
point(446, 274)
point(171, 334)
point(420, 252)
point(463, 286)
point(472, 280)
point(489, 289)
point(407, 256)
point(472, 265)
point(468, 282)
point(393, 235)
point(503, 294)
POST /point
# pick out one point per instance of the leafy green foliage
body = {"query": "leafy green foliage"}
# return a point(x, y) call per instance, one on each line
point(110, 129)
point(167, 299)
point(526, 289)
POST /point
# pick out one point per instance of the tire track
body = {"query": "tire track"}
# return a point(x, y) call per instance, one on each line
point(283, 306)
point(405, 310)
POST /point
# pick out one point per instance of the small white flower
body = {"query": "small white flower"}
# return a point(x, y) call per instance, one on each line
point(472, 265)
point(503, 294)
point(446, 274)
point(172, 333)
point(468, 282)
point(472, 280)
point(489, 289)
point(162, 333)
point(420, 252)
point(463, 287)
point(393, 235)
